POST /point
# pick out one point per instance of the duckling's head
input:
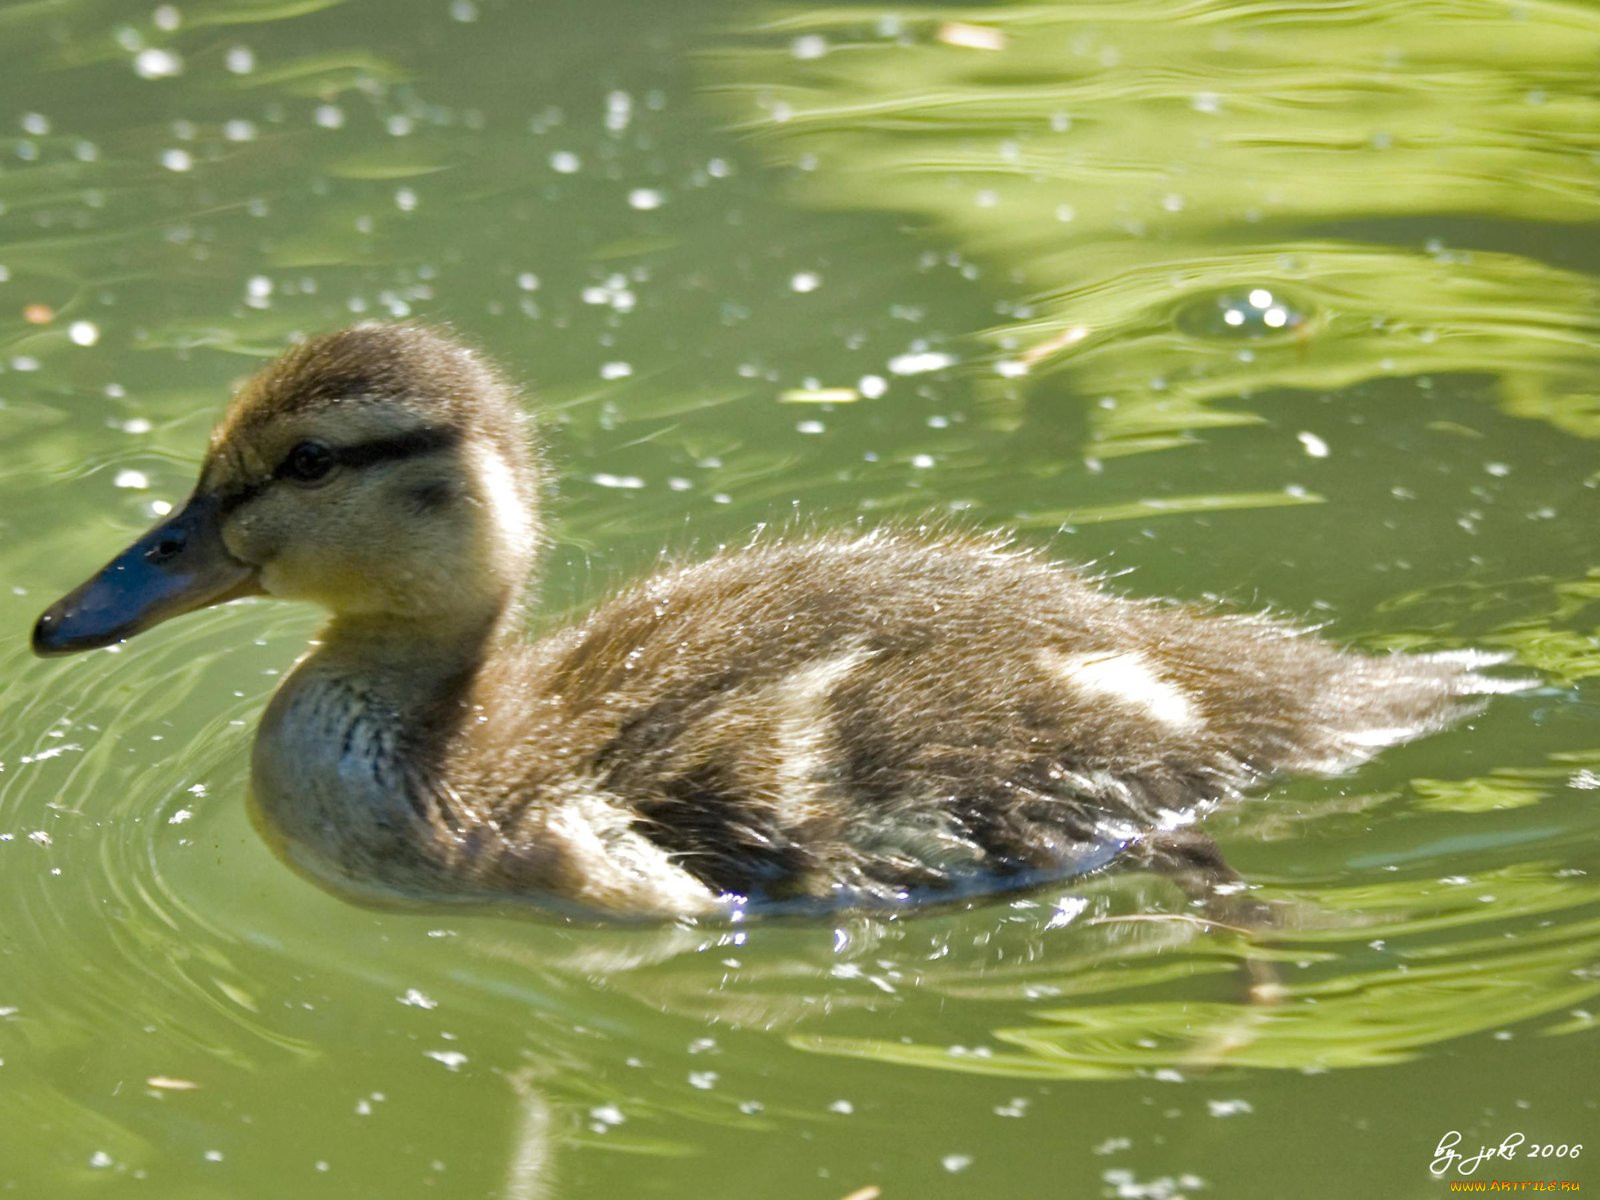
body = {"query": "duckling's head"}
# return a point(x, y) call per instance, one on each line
point(383, 472)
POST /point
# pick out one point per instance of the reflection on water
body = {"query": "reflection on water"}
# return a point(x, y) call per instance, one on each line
point(758, 264)
point(1142, 165)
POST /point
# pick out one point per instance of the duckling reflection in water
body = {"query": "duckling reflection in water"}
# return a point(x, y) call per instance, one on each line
point(854, 719)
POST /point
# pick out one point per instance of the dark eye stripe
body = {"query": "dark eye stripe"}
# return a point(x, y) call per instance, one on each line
point(361, 454)
point(402, 445)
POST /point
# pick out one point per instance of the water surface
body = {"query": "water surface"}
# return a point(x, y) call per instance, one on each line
point(1286, 306)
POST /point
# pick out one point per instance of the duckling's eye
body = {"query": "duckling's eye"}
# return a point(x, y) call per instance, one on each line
point(308, 462)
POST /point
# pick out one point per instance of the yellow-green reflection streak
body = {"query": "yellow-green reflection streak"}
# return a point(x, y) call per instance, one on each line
point(1440, 967)
point(1168, 506)
point(1135, 163)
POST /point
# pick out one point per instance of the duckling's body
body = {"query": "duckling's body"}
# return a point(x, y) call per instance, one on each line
point(837, 720)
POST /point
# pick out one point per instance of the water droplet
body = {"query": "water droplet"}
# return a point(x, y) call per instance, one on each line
point(811, 45)
point(920, 362)
point(153, 62)
point(619, 111)
point(1256, 313)
point(624, 482)
point(1315, 446)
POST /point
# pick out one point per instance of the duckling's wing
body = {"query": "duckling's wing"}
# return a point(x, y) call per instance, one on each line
point(875, 716)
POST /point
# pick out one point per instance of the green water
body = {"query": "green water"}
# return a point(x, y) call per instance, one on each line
point(1291, 305)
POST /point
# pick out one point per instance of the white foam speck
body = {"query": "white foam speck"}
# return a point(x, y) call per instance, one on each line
point(153, 62)
point(920, 362)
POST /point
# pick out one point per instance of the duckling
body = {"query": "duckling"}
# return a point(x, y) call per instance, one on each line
point(854, 719)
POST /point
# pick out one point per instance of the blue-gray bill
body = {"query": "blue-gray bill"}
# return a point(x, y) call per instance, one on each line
point(177, 567)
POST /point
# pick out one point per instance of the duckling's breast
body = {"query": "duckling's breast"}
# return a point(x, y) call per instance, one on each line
point(332, 792)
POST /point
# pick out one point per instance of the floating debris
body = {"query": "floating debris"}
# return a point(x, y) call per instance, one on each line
point(167, 1083)
point(1064, 340)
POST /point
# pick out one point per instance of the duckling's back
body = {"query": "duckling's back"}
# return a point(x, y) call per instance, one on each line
point(868, 718)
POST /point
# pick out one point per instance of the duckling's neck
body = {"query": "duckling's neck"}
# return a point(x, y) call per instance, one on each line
point(346, 777)
point(414, 666)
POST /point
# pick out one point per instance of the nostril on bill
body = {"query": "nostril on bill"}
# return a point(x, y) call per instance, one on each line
point(166, 548)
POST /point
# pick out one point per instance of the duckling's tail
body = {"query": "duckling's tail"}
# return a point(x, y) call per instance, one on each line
point(1384, 700)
